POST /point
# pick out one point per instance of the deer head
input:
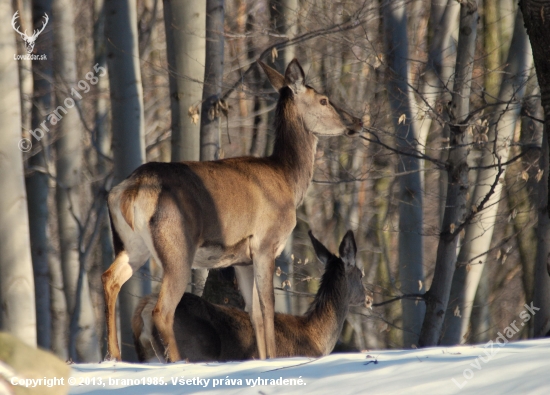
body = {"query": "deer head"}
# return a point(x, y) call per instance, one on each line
point(354, 274)
point(29, 40)
point(319, 115)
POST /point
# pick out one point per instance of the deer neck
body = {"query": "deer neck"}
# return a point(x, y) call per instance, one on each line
point(330, 307)
point(294, 148)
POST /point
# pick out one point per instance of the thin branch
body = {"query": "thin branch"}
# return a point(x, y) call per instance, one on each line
point(404, 296)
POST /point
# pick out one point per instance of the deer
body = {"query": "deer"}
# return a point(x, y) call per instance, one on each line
point(207, 332)
point(29, 40)
point(214, 214)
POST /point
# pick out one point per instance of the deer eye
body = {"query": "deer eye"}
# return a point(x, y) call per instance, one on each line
point(323, 102)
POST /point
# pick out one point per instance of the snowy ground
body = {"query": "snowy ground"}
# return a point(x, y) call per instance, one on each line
point(513, 368)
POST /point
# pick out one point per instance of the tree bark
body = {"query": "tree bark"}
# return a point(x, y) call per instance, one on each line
point(185, 41)
point(127, 125)
point(411, 271)
point(536, 15)
point(213, 77)
point(437, 297)
point(17, 298)
point(479, 231)
point(68, 165)
point(37, 181)
point(541, 298)
point(438, 69)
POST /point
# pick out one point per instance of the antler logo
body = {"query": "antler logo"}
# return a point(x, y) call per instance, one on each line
point(29, 40)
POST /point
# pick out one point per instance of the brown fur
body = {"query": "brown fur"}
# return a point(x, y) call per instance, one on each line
point(237, 211)
point(208, 332)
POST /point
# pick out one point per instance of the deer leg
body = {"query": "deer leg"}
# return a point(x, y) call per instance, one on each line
point(171, 291)
point(245, 278)
point(259, 322)
point(263, 281)
point(113, 278)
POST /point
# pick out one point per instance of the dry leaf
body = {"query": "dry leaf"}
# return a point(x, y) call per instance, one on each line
point(278, 271)
point(286, 283)
point(452, 228)
point(402, 119)
point(525, 175)
point(193, 113)
point(384, 327)
point(306, 261)
point(292, 257)
point(420, 285)
point(274, 54)
point(462, 232)
point(474, 208)
point(538, 177)
point(468, 268)
point(457, 312)
point(499, 254)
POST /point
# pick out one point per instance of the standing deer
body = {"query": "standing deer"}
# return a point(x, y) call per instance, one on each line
point(207, 332)
point(236, 211)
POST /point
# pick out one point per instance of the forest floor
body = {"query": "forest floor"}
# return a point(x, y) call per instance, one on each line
point(498, 368)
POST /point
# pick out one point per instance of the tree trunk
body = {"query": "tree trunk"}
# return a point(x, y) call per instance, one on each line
point(25, 66)
point(102, 144)
point(68, 165)
point(127, 130)
point(185, 48)
point(479, 231)
point(58, 308)
point(37, 181)
point(536, 15)
point(541, 298)
point(213, 77)
point(17, 299)
point(185, 40)
point(437, 297)
point(411, 271)
point(438, 69)
point(434, 89)
point(492, 42)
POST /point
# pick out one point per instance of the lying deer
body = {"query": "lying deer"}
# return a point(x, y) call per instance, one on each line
point(209, 332)
point(236, 211)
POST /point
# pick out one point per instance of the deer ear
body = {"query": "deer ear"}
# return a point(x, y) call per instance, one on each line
point(348, 249)
point(320, 250)
point(295, 78)
point(275, 78)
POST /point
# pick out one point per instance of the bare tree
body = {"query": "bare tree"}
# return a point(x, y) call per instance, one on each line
point(37, 181)
point(68, 165)
point(127, 126)
point(488, 189)
point(541, 297)
point(16, 274)
point(437, 296)
point(212, 107)
point(411, 271)
point(185, 40)
point(535, 14)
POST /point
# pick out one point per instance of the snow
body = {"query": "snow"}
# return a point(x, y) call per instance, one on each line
point(512, 368)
